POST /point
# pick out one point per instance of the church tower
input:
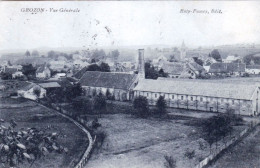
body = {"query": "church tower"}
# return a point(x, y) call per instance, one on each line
point(183, 51)
point(141, 71)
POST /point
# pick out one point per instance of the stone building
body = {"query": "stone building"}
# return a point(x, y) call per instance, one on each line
point(200, 95)
point(120, 85)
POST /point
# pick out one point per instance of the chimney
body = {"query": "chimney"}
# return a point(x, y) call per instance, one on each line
point(141, 71)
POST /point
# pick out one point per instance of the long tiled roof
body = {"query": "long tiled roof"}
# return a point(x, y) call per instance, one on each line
point(49, 85)
point(80, 73)
point(10, 70)
point(227, 67)
point(108, 79)
point(199, 88)
point(173, 67)
point(253, 67)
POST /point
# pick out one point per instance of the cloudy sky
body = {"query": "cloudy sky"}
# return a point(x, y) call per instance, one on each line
point(128, 23)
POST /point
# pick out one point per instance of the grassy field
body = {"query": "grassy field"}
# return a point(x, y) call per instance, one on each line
point(134, 142)
point(246, 154)
point(29, 114)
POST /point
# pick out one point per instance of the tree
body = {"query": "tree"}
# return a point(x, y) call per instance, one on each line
point(81, 106)
point(20, 145)
point(115, 55)
point(172, 58)
point(217, 127)
point(35, 53)
point(98, 55)
point(93, 67)
point(162, 73)
point(248, 58)
point(27, 53)
point(170, 162)
point(52, 54)
point(141, 106)
point(104, 67)
point(198, 61)
point(72, 92)
point(150, 72)
point(6, 76)
point(189, 154)
point(215, 54)
point(161, 105)
point(108, 94)
point(99, 103)
point(37, 92)
point(29, 71)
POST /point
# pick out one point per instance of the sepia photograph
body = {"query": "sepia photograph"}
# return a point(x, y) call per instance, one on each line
point(129, 84)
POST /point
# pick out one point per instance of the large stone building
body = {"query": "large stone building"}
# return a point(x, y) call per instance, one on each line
point(120, 85)
point(200, 95)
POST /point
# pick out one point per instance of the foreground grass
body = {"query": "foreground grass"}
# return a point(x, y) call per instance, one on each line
point(135, 142)
point(244, 154)
point(29, 114)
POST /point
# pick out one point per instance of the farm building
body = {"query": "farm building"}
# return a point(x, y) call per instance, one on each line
point(29, 91)
point(227, 68)
point(253, 69)
point(118, 84)
point(200, 95)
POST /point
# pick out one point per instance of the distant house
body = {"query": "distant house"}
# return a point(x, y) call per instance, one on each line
point(174, 69)
point(43, 72)
point(253, 69)
point(183, 70)
point(29, 91)
point(120, 85)
point(124, 67)
point(57, 65)
point(60, 75)
point(17, 74)
point(9, 70)
point(49, 86)
point(80, 64)
point(227, 68)
point(231, 58)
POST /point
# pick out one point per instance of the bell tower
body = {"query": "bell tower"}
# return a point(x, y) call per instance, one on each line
point(183, 51)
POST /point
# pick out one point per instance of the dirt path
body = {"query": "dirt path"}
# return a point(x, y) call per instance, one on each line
point(245, 154)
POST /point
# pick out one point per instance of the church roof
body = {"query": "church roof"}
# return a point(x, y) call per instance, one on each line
point(199, 88)
point(108, 79)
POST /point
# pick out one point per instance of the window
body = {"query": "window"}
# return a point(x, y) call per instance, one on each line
point(222, 100)
point(172, 96)
point(147, 94)
point(201, 99)
point(155, 95)
point(181, 97)
point(191, 98)
point(233, 101)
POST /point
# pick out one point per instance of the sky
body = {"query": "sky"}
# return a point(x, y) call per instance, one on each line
point(128, 23)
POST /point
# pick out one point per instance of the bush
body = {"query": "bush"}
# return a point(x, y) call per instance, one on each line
point(141, 106)
point(169, 162)
point(161, 105)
